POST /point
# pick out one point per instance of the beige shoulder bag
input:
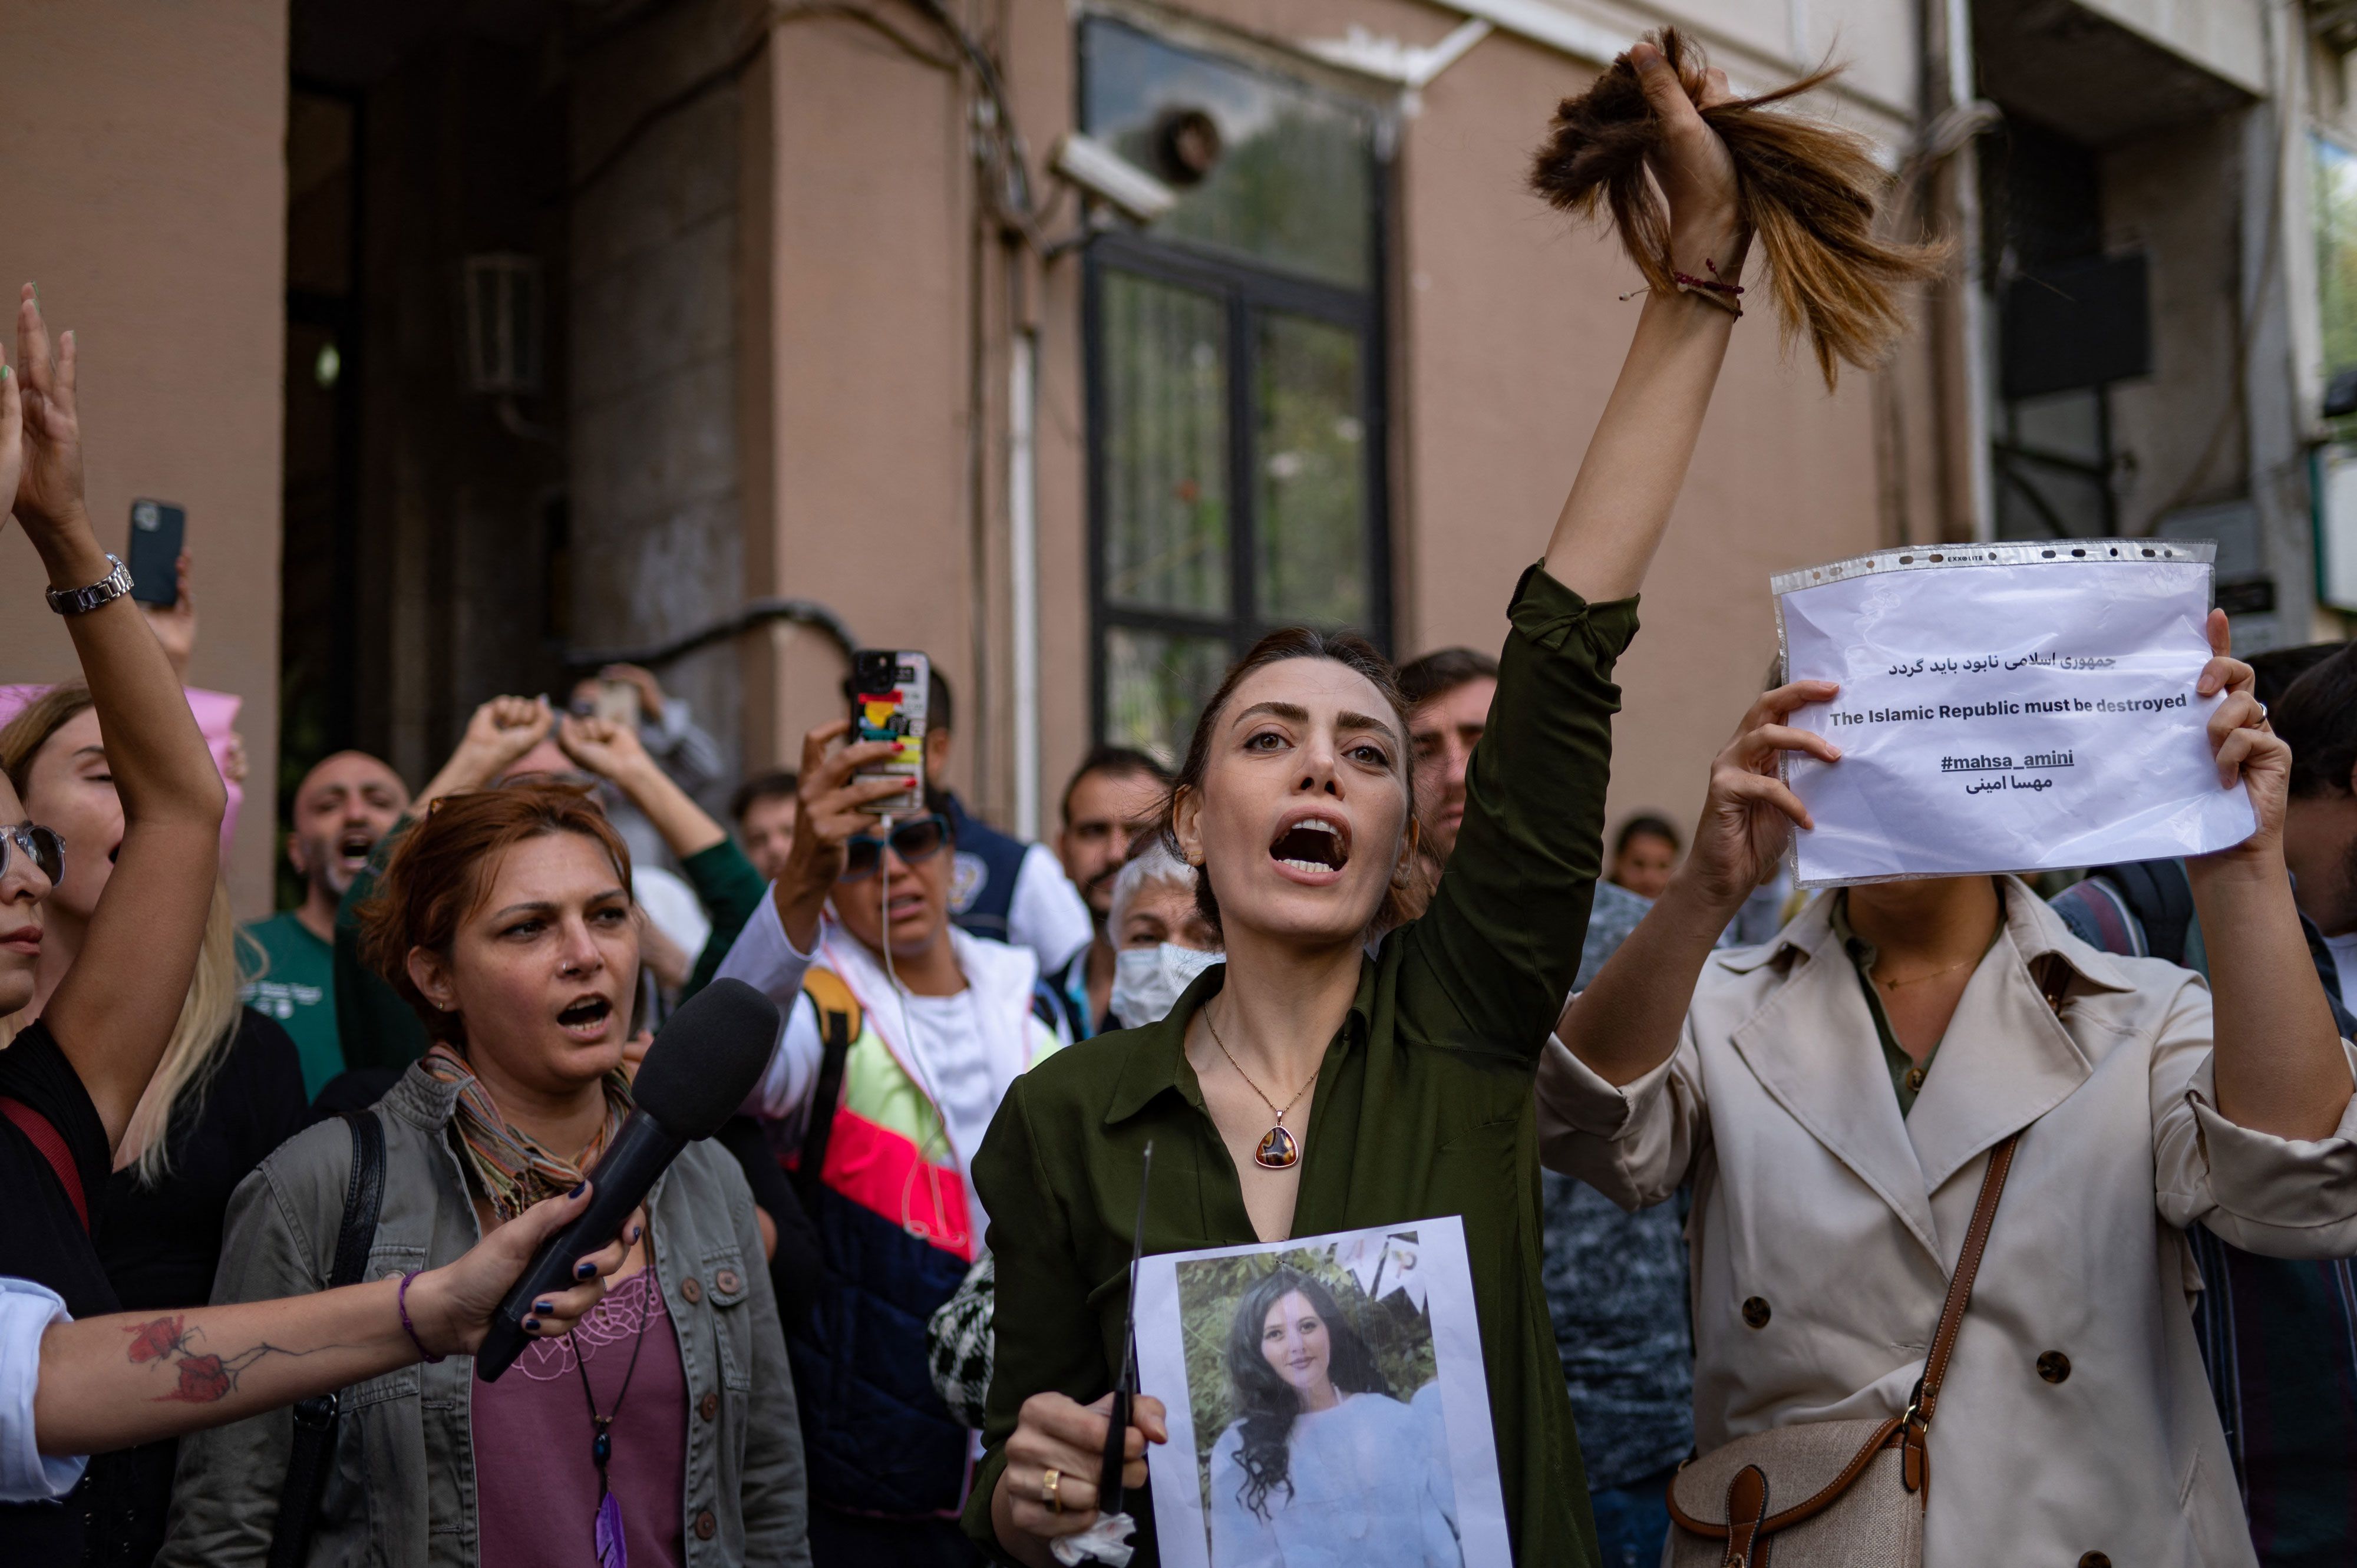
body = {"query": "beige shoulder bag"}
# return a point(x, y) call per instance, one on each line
point(1837, 1493)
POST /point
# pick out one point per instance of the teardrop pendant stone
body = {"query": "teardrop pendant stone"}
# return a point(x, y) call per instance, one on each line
point(1278, 1151)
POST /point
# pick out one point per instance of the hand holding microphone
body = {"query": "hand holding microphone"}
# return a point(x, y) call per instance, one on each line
point(698, 1071)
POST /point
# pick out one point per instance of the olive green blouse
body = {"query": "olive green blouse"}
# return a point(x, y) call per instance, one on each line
point(1423, 1108)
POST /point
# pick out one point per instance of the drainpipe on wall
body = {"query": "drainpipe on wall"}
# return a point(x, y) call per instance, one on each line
point(1023, 570)
point(1951, 112)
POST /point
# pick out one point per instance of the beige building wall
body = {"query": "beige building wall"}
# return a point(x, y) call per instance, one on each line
point(142, 186)
point(1506, 328)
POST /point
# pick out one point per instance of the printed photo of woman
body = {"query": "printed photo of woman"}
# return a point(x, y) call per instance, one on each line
point(1324, 1464)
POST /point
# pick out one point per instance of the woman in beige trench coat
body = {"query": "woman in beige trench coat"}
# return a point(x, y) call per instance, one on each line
point(1836, 1146)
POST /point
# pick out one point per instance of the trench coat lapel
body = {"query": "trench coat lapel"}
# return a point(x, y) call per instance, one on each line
point(2006, 1059)
point(1812, 1047)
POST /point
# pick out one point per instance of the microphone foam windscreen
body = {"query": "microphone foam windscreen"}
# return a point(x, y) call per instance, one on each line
point(706, 1058)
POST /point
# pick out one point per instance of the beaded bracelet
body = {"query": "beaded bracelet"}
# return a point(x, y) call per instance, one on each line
point(401, 1300)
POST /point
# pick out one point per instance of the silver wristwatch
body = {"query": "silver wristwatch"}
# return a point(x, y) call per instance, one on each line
point(82, 601)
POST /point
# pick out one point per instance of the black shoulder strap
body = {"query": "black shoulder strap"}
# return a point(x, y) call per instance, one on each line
point(839, 1023)
point(316, 1418)
point(2161, 898)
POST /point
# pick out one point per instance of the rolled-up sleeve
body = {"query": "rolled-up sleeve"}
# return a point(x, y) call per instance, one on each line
point(1636, 1144)
point(28, 1475)
point(2280, 1197)
point(1487, 966)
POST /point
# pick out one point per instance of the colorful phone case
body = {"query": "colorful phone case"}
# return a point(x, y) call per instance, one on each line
point(887, 703)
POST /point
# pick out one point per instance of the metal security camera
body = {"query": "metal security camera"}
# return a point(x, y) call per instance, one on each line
point(1107, 176)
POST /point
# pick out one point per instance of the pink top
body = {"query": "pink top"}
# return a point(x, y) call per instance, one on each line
point(216, 721)
point(535, 1484)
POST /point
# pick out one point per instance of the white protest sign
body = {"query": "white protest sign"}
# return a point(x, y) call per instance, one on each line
point(2005, 707)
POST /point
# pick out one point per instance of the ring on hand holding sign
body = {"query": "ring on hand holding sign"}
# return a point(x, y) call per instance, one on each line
point(2005, 707)
point(1326, 1403)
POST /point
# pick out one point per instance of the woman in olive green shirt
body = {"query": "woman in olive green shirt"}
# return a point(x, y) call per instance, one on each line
point(1303, 1086)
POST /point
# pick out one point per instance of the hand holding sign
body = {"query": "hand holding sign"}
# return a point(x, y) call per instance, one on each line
point(2248, 750)
point(1748, 820)
point(2014, 707)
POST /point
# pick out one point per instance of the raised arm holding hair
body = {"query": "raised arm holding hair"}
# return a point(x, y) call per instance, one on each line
point(1294, 807)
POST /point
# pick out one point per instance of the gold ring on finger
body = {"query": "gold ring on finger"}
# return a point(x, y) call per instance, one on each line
point(1050, 1481)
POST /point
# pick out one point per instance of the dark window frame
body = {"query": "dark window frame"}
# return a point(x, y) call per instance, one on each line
point(1244, 289)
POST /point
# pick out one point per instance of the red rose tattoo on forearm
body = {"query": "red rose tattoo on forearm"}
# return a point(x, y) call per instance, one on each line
point(204, 1379)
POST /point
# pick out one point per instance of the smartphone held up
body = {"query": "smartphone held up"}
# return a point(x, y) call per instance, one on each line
point(158, 534)
point(887, 703)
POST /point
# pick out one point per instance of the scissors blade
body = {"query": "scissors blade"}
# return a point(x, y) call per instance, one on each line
point(1110, 1491)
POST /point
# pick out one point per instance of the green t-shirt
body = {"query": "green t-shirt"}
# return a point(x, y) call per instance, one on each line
point(297, 987)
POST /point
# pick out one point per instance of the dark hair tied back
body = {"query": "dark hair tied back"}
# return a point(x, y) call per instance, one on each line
point(1808, 189)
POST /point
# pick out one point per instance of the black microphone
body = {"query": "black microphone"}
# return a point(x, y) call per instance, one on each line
point(697, 1072)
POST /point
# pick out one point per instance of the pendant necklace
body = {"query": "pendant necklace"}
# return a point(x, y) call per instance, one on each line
point(607, 1537)
point(1279, 1149)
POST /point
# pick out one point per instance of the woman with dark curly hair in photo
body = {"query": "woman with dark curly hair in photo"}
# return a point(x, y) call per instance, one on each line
point(1323, 1461)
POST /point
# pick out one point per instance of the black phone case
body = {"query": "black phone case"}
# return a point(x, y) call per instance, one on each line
point(158, 529)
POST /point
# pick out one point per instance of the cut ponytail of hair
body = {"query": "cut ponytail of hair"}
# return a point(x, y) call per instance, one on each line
point(1807, 188)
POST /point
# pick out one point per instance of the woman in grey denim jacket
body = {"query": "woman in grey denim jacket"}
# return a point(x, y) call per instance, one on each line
point(511, 908)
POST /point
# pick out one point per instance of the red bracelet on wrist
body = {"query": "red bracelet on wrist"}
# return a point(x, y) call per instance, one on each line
point(1729, 292)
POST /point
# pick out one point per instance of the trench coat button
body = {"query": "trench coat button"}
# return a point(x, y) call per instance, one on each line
point(706, 1524)
point(2055, 1367)
point(708, 1406)
point(691, 1290)
point(726, 1282)
point(1755, 1312)
point(2095, 1560)
point(1914, 1080)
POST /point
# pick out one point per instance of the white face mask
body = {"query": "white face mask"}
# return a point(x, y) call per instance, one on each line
point(1147, 982)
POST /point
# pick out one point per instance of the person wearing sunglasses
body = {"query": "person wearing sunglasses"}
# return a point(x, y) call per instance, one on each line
point(904, 1033)
point(71, 1080)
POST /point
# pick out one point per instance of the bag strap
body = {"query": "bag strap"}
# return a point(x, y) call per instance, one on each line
point(2054, 982)
point(43, 1135)
point(317, 1418)
point(840, 1022)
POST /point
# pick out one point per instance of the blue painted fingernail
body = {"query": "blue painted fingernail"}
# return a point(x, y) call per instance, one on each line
point(544, 1307)
point(583, 1271)
point(532, 1326)
point(577, 1191)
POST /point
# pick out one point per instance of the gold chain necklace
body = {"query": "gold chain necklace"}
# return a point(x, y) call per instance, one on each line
point(1912, 979)
point(1279, 1149)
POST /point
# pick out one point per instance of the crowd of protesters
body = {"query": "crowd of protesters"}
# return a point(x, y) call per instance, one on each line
point(1372, 912)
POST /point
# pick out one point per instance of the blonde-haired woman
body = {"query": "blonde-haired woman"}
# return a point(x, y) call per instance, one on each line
point(228, 1090)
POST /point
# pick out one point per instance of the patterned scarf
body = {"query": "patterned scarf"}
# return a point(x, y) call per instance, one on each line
point(511, 1171)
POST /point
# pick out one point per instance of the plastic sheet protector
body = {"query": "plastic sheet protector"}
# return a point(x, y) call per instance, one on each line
point(2005, 707)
